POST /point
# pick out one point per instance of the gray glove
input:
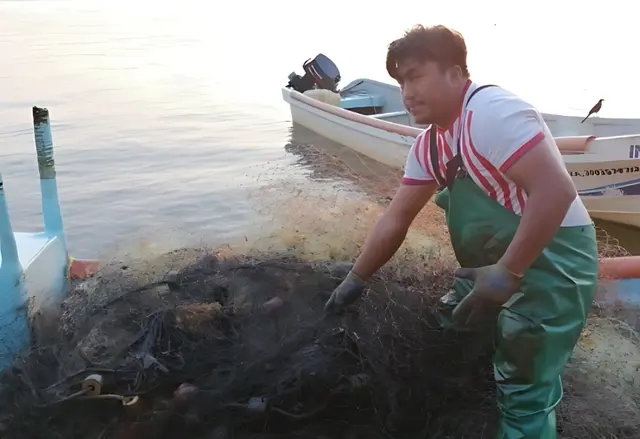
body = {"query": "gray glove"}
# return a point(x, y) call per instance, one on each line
point(493, 286)
point(346, 293)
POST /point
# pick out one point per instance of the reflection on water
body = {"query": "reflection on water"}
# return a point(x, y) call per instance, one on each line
point(328, 160)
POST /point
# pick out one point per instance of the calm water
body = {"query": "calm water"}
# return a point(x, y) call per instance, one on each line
point(168, 116)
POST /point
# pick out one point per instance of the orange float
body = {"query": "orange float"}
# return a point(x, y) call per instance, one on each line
point(82, 268)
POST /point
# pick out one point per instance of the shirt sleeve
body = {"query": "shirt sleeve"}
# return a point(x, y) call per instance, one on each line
point(504, 130)
point(416, 169)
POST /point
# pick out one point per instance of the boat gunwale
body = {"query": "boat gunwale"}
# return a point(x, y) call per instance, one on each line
point(384, 125)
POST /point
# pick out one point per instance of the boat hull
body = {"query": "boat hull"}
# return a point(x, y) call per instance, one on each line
point(382, 146)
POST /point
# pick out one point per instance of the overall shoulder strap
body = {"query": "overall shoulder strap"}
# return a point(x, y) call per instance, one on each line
point(473, 93)
point(456, 163)
point(434, 155)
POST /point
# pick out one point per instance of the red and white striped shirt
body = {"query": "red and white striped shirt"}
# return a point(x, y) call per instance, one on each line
point(496, 129)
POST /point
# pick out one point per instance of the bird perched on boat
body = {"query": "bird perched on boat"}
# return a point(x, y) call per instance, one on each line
point(594, 110)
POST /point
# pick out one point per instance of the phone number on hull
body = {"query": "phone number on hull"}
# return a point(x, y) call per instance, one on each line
point(604, 171)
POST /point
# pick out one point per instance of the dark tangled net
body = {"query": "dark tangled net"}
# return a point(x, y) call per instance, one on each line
point(248, 337)
point(375, 372)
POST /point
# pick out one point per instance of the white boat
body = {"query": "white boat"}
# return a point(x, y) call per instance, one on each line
point(368, 116)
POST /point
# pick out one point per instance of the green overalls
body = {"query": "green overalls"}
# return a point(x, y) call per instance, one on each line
point(538, 328)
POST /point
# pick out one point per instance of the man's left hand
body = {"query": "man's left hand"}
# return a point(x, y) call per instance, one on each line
point(493, 286)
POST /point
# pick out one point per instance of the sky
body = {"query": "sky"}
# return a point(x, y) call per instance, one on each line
point(562, 55)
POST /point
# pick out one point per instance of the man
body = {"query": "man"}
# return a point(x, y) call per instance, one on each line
point(520, 232)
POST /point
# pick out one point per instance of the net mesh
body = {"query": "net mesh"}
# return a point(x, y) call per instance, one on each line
point(230, 341)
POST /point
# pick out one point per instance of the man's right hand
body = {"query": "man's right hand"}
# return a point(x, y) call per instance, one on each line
point(345, 294)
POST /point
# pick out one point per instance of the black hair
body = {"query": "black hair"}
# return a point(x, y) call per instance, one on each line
point(439, 43)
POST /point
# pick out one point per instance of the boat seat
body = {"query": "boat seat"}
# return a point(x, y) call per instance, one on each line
point(390, 115)
point(361, 101)
point(29, 246)
point(573, 144)
point(44, 262)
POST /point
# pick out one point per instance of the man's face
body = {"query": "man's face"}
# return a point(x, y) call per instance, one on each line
point(428, 93)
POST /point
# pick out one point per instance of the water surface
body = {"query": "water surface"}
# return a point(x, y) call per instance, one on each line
point(168, 115)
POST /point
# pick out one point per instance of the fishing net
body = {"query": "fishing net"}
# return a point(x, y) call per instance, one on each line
point(248, 333)
point(231, 341)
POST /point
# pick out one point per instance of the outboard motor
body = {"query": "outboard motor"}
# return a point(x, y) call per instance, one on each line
point(320, 72)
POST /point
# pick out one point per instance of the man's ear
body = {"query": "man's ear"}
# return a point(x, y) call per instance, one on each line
point(455, 74)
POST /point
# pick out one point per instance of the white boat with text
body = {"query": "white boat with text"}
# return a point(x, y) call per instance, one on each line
point(368, 116)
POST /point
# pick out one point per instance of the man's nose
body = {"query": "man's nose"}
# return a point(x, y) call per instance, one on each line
point(407, 94)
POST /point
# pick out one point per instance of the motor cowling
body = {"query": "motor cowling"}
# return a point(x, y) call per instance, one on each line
point(320, 72)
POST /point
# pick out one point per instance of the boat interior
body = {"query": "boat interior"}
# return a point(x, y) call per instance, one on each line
point(376, 99)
